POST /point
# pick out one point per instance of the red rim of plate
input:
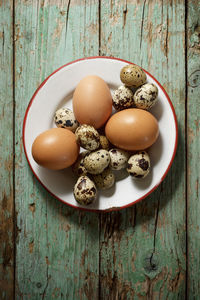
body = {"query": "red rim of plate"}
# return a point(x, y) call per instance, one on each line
point(112, 208)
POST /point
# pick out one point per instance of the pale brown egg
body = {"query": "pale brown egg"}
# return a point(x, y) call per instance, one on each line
point(92, 101)
point(132, 129)
point(55, 149)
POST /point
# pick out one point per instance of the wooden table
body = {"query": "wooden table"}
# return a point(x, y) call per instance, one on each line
point(51, 251)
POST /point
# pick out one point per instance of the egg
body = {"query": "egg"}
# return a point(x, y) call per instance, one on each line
point(118, 158)
point(85, 191)
point(87, 137)
point(146, 96)
point(122, 98)
point(132, 129)
point(133, 75)
point(139, 165)
point(104, 142)
point(105, 180)
point(92, 101)
point(97, 161)
point(55, 149)
point(64, 118)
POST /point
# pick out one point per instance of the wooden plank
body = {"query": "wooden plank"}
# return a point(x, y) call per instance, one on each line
point(6, 152)
point(193, 153)
point(143, 248)
point(57, 247)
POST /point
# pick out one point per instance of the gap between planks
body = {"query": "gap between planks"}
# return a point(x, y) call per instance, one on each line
point(186, 150)
point(14, 207)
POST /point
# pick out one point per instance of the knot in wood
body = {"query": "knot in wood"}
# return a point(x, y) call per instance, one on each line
point(151, 262)
point(38, 284)
point(194, 79)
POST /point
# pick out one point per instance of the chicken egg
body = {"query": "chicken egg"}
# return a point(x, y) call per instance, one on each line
point(92, 101)
point(55, 148)
point(132, 129)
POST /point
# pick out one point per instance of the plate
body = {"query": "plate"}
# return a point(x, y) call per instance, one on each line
point(56, 92)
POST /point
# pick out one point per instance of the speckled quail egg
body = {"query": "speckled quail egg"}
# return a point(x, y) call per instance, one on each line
point(65, 118)
point(132, 75)
point(122, 98)
point(104, 142)
point(85, 191)
point(78, 167)
point(97, 161)
point(118, 158)
point(139, 164)
point(105, 180)
point(146, 96)
point(87, 137)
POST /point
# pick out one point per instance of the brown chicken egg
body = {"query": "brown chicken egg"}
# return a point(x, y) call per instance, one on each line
point(92, 101)
point(132, 129)
point(55, 149)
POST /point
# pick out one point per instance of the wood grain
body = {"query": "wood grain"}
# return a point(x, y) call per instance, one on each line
point(137, 253)
point(57, 247)
point(193, 131)
point(6, 152)
point(142, 249)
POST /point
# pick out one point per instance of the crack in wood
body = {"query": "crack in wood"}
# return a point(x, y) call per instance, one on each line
point(3, 39)
point(186, 149)
point(167, 37)
point(47, 283)
point(99, 14)
point(125, 11)
point(151, 259)
point(156, 220)
point(67, 20)
point(142, 24)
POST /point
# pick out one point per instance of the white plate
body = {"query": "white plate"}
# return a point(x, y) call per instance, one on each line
point(55, 92)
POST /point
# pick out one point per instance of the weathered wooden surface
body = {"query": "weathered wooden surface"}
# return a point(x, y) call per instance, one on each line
point(149, 251)
point(143, 248)
point(57, 247)
point(193, 134)
point(6, 152)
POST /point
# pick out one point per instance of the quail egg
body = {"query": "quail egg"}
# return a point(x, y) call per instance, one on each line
point(87, 137)
point(97, 161)
point(146, 96)
point(139, 164)
point(105, 180)
point(78, 167)
point(85, 191)
point(118, 158)
point(122, 98)
point(104, 142)
point(64, 118)
point(132, 75)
